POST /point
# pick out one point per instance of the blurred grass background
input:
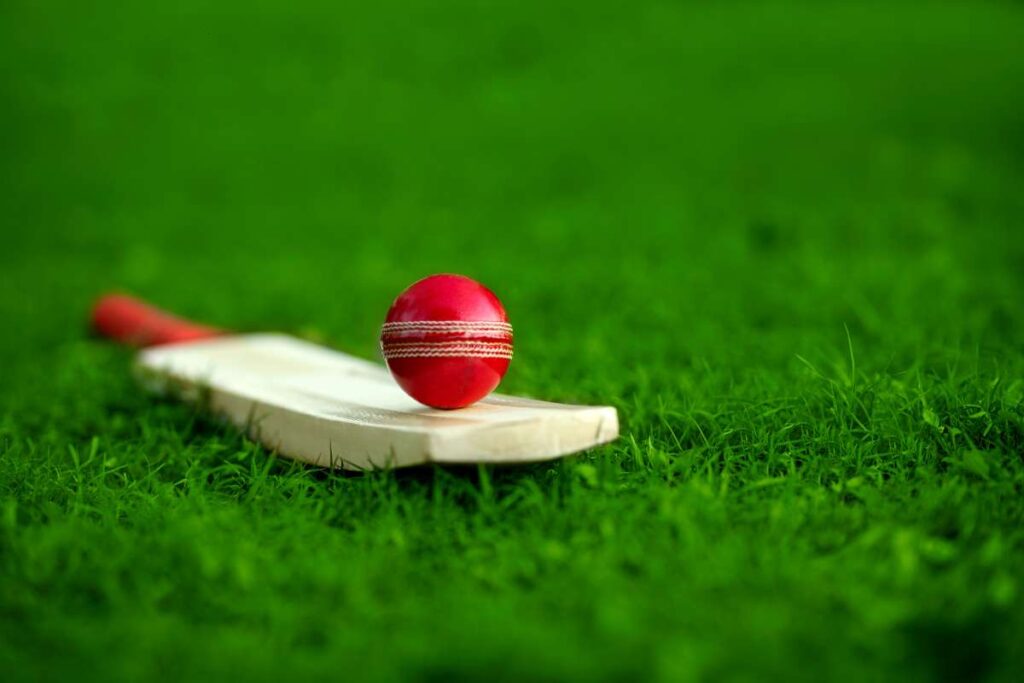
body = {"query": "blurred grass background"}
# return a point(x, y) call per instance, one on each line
point(784, 239)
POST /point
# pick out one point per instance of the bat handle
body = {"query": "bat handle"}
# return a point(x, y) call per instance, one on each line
point(134, 322)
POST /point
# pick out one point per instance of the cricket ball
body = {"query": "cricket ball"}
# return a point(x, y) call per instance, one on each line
point(447, 341)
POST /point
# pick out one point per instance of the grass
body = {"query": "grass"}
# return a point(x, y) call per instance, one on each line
point(783, 239)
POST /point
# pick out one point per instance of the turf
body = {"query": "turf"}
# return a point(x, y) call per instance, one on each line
point(785, 240)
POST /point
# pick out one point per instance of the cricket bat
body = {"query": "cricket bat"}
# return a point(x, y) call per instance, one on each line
point(327, 408)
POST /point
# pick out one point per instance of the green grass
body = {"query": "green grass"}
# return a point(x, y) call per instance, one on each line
point(785, 240)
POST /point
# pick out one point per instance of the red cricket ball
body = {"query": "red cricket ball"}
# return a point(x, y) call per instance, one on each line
point(447, 341)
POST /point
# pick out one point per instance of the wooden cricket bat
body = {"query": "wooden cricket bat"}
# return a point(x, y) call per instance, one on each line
point(327, 408)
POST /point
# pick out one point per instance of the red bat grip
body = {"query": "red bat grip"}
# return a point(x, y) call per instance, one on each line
point(134, 322)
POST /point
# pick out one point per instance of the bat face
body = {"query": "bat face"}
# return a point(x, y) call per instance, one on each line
point(327, 408)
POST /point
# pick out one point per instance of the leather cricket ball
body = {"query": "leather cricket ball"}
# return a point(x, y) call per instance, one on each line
point(447, 341)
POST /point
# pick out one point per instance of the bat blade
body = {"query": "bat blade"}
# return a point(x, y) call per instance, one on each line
point(330, 409)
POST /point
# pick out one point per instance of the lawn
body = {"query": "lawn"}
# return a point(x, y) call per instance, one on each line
point(785, 240)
